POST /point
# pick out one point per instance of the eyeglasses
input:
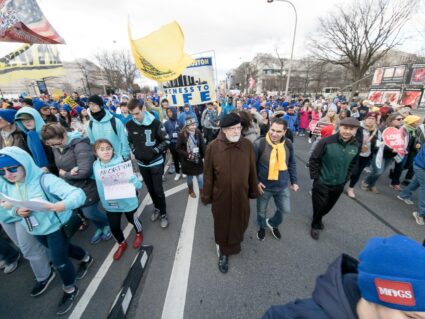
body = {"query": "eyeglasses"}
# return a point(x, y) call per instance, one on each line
point(12, 169)
point(105, 149)
point(55, 144)
point(401, 119)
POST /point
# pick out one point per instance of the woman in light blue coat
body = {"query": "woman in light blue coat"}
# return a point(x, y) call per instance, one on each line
point(22, 179)
point(116, 207)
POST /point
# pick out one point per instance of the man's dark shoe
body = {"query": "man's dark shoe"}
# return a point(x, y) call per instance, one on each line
point(315, 233)
point(275, 232)
point(261, 234)
point(67, 302)
point(41, 286)
point(223, 263)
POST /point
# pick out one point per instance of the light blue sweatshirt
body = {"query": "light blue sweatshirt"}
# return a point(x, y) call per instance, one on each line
point(72, 197)
point(117, 205)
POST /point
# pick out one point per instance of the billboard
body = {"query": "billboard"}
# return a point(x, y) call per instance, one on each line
point(377, 76)
point(394, 74)
point(380, 96)
point(411, 97)
point(418, 74)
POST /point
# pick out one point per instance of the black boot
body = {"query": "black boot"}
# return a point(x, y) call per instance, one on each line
point(223, 263)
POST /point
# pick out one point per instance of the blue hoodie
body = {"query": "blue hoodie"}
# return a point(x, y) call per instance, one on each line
point(33, 139)
point(183, 115)
point(172, 126)
point(48, 223)
point(104, 129)
point(117, 205)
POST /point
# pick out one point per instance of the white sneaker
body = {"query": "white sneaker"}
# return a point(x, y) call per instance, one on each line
point(419, 219)
point(309, 140)
point(177, 177)
point(184, 175)
point(406, 200)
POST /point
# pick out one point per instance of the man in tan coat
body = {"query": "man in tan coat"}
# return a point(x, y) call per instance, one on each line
point(230, 180)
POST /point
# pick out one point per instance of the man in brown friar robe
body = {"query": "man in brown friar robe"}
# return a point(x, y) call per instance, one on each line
point(230, 180)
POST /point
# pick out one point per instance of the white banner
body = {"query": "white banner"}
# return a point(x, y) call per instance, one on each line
point(116, 181)
point(195, 86)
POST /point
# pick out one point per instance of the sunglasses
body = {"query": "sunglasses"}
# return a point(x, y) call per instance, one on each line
point(12, 169)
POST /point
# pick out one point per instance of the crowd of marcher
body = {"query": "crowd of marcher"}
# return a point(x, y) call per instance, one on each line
point(237, 149)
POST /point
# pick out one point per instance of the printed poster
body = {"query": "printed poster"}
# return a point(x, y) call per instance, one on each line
point(195, 86)
point(116, 181)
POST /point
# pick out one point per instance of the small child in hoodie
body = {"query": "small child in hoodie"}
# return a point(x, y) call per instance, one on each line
point(115, 208)
point(173, 127)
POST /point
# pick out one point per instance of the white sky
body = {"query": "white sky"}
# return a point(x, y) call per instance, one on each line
point(235, 29)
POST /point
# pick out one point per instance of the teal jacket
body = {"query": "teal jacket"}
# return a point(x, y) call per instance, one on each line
point(47, 221)
point(104, 129)
point(117, 205)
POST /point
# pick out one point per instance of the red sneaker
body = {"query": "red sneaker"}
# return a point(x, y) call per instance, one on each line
point(138, 240)
point(121, 249)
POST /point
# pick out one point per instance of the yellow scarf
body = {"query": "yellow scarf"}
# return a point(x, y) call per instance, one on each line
point(277, 159)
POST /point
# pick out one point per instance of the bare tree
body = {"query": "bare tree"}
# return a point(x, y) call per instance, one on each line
point(243, 73)
point(118, 68)
point(356, 36)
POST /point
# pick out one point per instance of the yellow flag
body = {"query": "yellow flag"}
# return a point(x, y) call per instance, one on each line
point(160, 55)
point(68, 100)
point(33, 62)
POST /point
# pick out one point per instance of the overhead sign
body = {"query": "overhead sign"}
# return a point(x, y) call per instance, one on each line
point(195, 86)
point(33, 62)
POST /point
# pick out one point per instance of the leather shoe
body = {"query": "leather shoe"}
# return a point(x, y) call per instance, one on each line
point(223, 263)
point(315, 233)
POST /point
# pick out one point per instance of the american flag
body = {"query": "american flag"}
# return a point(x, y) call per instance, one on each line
point(29, 13)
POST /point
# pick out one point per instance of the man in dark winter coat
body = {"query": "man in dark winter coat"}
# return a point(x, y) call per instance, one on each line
point(388, 283)
point(330, 165)
point(230, 181)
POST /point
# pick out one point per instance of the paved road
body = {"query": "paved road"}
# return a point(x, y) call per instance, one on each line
point(189, 285)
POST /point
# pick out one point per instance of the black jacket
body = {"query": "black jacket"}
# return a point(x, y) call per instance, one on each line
point(331, 298)
point(148, 142)
point(190, 167)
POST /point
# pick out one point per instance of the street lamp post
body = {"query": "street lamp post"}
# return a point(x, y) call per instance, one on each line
point(293, 43)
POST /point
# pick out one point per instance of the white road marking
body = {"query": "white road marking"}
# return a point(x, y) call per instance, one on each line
point(85, 299)
point(175, 299)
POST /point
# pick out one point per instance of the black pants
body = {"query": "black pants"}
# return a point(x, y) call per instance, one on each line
point(152, 176)
point(395, 173)
point(176, 157)
point(114, 220)
point(324, 198)
point(361, 164)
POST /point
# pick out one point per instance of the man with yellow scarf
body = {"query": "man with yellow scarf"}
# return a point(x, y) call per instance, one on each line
point(276, 169)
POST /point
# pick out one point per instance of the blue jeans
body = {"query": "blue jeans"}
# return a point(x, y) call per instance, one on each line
point(7, 252)
point(97, 217)
point(418, 181)
point(200, 179)
point(373, 177)
point(283, 206)
point(60, 249)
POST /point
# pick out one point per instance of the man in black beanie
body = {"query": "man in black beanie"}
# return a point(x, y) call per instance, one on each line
point(230, 180)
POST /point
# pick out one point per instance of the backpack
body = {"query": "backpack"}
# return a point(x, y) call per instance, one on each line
point(113, 124)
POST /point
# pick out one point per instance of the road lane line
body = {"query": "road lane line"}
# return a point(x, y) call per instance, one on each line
point(175, 299)
point(84, 300)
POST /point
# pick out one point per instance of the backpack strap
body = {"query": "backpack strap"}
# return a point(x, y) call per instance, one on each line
point(113, 121)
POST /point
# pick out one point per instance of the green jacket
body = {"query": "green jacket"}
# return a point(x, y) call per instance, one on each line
point(333, 159)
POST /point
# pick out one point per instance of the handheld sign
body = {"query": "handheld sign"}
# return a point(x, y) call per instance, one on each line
point(394, 139)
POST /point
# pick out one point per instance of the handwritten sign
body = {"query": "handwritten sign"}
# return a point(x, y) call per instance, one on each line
point(394, 139)
point(116, 181)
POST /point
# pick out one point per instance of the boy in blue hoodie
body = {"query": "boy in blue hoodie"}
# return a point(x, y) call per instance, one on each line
point(173, 128)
